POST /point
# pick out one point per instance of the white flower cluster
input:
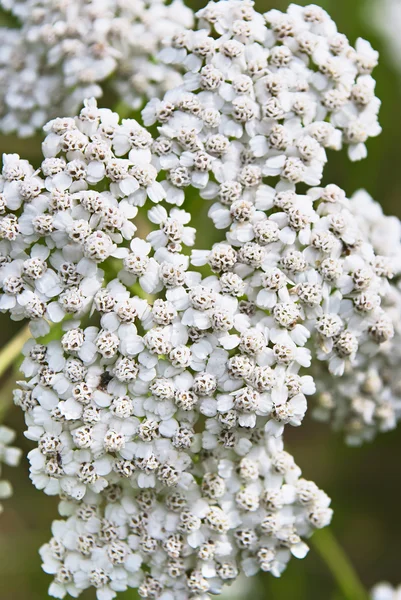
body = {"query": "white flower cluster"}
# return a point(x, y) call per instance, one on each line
point(9, 456)
point(64, 52)
point(367, 399)
point(187, 541)
point(289, 80)
point(80, 226)
point(180, 391)
point(384, 591)
point(158, 414)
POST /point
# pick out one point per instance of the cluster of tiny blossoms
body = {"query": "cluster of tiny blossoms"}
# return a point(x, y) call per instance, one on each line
point(9, 456)
point(385, 591)
point(289, 80)
point(158, 415)
point(301, 257)
point(367, 399)
point(64, 51)
point(179, 391)
point(186, 541)
point(335, 269)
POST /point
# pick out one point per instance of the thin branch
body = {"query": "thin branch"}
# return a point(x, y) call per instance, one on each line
point(13, 349)
point(339, 564)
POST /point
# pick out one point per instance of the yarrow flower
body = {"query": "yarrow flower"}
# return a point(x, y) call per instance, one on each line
point(367, 400)
point(9, 456)
point(120, 403)
point(65, 52)
point(289, 81)
point(191, 539)
point(158, 414)
point(384, 591)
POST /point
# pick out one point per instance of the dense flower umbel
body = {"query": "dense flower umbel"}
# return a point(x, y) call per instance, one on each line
point(154, 383)
point(210, 368)
point(81, 227)
point(158, 415)
point(385, 591)
point(246, 514)
point(368, 398)
point(65, 51)
point(289, 81)
point(301, 257)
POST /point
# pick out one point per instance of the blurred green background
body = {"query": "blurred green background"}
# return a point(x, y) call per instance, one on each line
point(364, 483)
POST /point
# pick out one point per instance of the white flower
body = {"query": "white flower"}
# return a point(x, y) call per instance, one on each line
point(158, 414)
point(9, 456)
point(384, 591)
point(47, 73)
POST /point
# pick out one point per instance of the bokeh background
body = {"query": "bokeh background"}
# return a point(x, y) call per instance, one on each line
point(364, 483)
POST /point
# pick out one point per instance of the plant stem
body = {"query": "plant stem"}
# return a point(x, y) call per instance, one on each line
point(12, 350)
point(339, 564)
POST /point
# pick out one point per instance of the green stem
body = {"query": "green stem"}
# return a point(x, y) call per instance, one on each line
point(12, 350)
point(7, 389)
point(339, 564)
